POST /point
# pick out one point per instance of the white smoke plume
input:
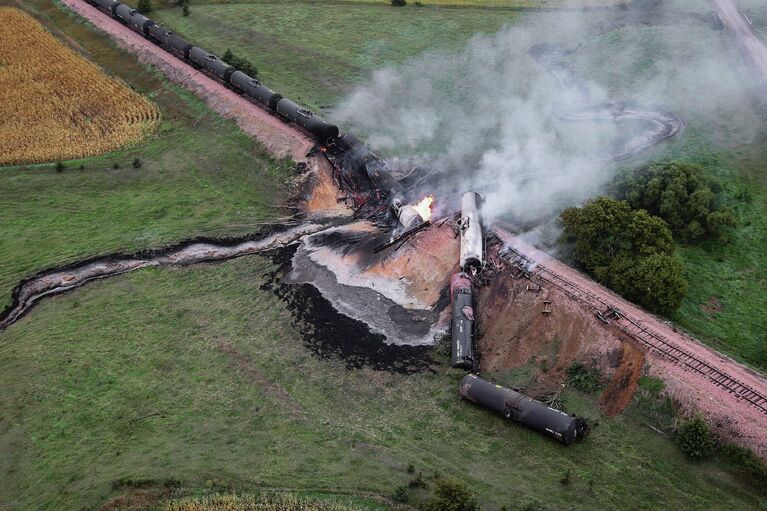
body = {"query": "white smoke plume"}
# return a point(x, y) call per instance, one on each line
point(490, 118)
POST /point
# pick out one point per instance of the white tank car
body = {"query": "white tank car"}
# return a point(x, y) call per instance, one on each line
point(472, 241)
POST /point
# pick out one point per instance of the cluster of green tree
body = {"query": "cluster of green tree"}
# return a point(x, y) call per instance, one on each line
point(629, 250)
point(681, 194)
point(144, 6)
point(240, 63)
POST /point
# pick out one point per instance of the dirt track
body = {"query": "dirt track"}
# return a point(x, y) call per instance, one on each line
point(751, 46)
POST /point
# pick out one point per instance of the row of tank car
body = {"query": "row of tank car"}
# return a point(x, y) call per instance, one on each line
point(507, 402)
point(247, 85)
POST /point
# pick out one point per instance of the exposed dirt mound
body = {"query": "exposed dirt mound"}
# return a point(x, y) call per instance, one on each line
point(624, 382)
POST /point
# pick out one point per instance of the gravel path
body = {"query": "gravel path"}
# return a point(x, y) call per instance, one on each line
point(280, 139)
point(751, 46)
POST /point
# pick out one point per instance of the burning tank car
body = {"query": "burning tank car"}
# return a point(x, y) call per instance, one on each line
point(250, 87)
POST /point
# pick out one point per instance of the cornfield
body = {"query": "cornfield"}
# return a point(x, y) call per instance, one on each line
point(249, 502)
point(55, 105)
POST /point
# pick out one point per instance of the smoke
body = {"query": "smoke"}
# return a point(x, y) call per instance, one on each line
point(535, 130)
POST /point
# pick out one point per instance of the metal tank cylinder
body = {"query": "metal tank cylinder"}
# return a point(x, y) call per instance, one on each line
point(523, 409)
point(472, 246)
point(462, 324)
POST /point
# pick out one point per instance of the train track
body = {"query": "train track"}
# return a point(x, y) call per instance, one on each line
point(607, 313)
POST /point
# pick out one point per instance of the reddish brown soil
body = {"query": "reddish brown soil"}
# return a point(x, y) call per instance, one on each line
point(625, 380)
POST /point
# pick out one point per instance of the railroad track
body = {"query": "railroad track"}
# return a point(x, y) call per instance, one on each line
point(607, 313)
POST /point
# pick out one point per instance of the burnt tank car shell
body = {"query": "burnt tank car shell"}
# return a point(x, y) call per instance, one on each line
point(462, 327)
point(523, 409)
point(210, 62)
point(472, 249)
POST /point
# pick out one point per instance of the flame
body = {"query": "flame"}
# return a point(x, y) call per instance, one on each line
point(423, 208)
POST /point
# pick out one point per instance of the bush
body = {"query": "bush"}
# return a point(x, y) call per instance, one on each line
point(695, 439)
point(585, 379)
point(682, 195)
point(418, 481)
point(115, 165)
point(401, 494)
point(399, 3)
point(59, 167)
point(451, 496)
point(144, 6)
point(239, 63)
point(137, 163)
point(630, 251)
point(185, 10)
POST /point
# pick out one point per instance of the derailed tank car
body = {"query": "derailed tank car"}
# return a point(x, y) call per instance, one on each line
point(462, 322)
point(472, 242)
point(523, 409)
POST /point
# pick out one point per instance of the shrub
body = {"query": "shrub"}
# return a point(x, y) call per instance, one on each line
point(59, 167)
point(451, 496)
point(399, 3)
point(137, 163)
point(185, 10)
point(401, 494)
point(239, 63)
point(654, 386)
point(585, 379)
point(418, 481)
point(144, 6)
point(115, 165)
point(695, 439)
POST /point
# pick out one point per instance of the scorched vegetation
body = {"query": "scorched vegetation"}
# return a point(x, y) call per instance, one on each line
point(58, 106)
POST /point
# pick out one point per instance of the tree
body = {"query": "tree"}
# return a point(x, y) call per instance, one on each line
point(655, 282)
point(630, 251)
point(681, 194)
point(451, 496)
point(144, 6)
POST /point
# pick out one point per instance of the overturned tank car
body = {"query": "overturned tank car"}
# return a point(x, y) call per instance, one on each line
point(523, 409)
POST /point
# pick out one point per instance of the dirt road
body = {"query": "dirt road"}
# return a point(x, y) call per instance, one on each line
point(753, 48)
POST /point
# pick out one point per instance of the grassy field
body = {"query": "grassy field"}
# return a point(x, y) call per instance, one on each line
point(198, 375)
point(200, 176)
point(339, 46)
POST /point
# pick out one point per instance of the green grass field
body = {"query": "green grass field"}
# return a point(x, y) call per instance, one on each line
point(201, 176)
point(197, 375)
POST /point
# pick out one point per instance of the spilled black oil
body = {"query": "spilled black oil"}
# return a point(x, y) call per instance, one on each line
point(329, 334)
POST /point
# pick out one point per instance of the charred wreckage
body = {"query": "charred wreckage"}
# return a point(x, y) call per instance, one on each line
point(374, 193)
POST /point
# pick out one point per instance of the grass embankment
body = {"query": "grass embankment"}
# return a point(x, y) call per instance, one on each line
point(194, 374)
point(200, 176)
point(726, 305)
point(312, 53)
